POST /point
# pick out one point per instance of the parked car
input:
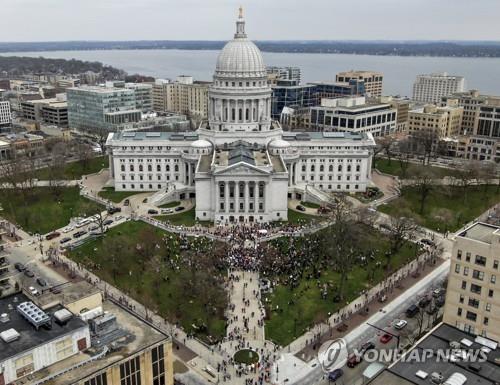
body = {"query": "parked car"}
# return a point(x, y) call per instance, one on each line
point(33, 291)
point(369, 345)
point(41, 282)
point(29, 273)
point(438, 292)
point(439, 302)
point(385, 338)
point(113, 210)
point(119, 217)
point(300, 208)
point(55, 290)
point(412, 311)
point(427, 242)
point(126, 202)
point(19, 266)
point(167, 211)
point(64, 240)
point(335, 375)
point(353, 360)
point(424, 301)
point(79, 234)
point(94, 228)
point(179, 208)
point(401, 324)
point(152, 211)
point(107, 222)
point(145, 200)
point(52, 235)
point(68, 229)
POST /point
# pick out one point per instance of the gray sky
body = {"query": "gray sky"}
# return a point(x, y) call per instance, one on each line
point(56, 20)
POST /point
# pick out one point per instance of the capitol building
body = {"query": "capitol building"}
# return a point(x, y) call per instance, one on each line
point(240, 166)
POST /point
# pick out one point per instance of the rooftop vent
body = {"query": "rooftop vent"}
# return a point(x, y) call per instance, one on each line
point(33, 314)
point(4, 318)
point(456, 379)
point(9, 335)
point(62, 316)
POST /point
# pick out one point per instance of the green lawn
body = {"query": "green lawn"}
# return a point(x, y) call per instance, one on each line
point(170, 205)
point(75, 170)
point(446, 208)
point(185, 218)
point(296, 217)
point(115, 196)
point(148, 264)
point(292, 311)
point(45, 209)
point(394, 168)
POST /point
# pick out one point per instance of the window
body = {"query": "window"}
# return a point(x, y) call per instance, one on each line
point(488, 307)
point(464, 285)
point(475, 289)
point(461, 298)
point(486, 320)
point(64, 348)
point(459, 254)
point(100, 379)
point(471, 316)
point(467, 257)
point(474, 302)
point(480, 260)
point(495, 264)
point(122, 167)
point(130, 372)
point(493, 278)
point(457, 268)
point(459, 311)
point(490, 293)
point(466, 271)
point(24, 365)
point(158, 365)
point(476, 274)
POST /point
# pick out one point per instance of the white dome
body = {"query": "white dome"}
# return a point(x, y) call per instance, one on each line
point(201, 143)
point(279, 143)
point(240, 58)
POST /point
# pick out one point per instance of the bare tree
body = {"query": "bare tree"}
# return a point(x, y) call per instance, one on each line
point(424, 142)
point(401, 230)
point(403, 155)
point(424, 183)
point(386, 143)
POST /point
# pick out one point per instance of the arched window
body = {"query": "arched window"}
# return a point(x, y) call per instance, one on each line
point(340, 167)
point(304, 168)
point(330, 168)
point(167, 167)
point(131, 167)
point(158, 167)
point(176, 168)
point(150, 168)
point(358, 168)
point(247, 114)
point(122, 167)
point(321, 168)
point(348, 168)
point(233, 114)
point(240, 115)
point(140, 167)
point(313, 168)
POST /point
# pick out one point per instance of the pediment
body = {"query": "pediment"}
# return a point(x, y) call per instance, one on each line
point(242, 168)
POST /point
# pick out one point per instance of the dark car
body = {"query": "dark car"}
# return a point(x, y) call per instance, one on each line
point(424, 301)
point(412, 311)
point(64, 240)
point(335, 375)
point(53, 235)
point(353, 360)
point(79, 234)
point(113, 210)
point(427, 242)
point(19, 267)
point(385, 338)
point(367, 346)
point(439, 302)
point(41, 282)
point(107, 222)
point(179, 208)
point(300, 208)
point(29, 273)
point(145, 200)
point(126, 202)
point(55, 290)
point(152, 211)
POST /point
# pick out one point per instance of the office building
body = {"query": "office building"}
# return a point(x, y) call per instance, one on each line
point(329, 90)
point(353, 115)
point(239, 165)
point(293, 96)
point(101, 109)
point(473, 293)
point(431, 88)
point(275, 74)
point(5, 114)
point(443, 121)
point(402, 107)
point(184, 96)
point(47, 111)
point(143, 95)
point(437, 359)
point(372, 80)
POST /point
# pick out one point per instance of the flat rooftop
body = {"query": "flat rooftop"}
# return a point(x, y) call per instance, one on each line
point(317, 135)
point(145, 135)
point(405, 372)
point(139, 336)
point(482, 232)
point(30, 337)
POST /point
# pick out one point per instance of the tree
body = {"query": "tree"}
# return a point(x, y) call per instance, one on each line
point(84, 153)
point(386, 143)
point(401, 230)
point(424, 141)
point(424, 183)
point(403, 155)
point(341, 244)
point(466, 174)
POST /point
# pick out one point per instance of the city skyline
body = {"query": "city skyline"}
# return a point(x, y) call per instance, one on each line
point(156, 20)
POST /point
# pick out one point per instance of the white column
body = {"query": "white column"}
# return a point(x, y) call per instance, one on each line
point(246, 197)
point(237, 197)
point(256, 197)
point(266, 203)
point(226, 196)
point(217, 198)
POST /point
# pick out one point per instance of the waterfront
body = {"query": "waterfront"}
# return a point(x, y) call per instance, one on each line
point(399, 71)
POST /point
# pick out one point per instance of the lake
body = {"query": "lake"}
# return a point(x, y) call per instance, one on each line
point(399, 72)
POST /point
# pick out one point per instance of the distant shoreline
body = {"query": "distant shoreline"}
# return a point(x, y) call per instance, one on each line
point(404, 49)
